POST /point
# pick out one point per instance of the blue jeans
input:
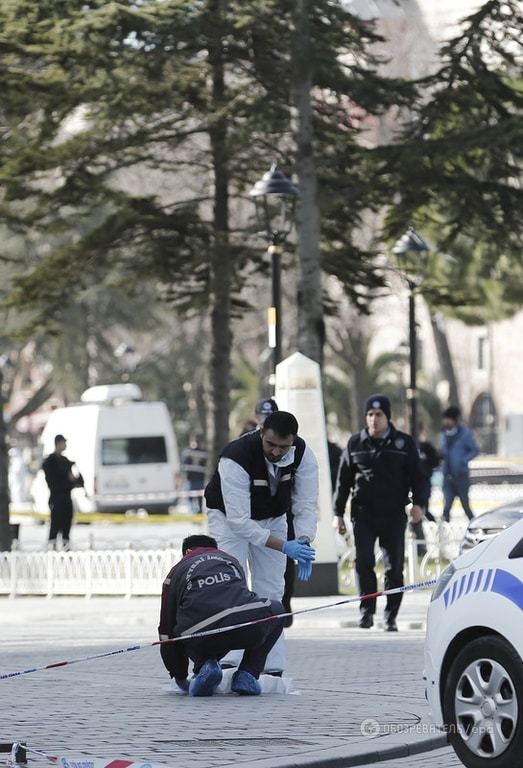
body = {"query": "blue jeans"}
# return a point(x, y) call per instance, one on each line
point(456, 485)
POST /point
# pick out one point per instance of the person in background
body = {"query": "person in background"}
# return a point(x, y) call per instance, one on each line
point(379, 469)
point(335, 452)
point(194, 466)
point(457, 448)
point(260, 478)
point(207, 590)
point(61, 481)
point(249, 425)
point(429, 461)
point(264, 408)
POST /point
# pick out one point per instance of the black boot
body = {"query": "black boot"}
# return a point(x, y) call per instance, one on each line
point(366, 621)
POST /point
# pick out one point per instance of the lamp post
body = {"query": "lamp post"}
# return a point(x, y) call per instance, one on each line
point(275, 198)
point(5, 526)
point(411, 243)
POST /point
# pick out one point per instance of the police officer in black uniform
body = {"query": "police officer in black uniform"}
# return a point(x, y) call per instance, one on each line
point(380, 467)
point(60, 480)
point(207, 590)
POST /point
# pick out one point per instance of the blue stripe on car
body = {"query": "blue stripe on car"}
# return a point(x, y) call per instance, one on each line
point(509, 586)
point(495, 580)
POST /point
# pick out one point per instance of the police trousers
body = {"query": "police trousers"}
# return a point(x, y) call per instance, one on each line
point(61, 507)
point(390, 535)
point(256, 641)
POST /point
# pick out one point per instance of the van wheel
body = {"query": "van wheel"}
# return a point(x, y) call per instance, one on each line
point(483, 704)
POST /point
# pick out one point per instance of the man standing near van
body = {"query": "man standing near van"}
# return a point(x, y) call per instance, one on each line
point(60, 479)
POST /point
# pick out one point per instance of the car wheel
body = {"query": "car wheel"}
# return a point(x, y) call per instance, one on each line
point(483, 704)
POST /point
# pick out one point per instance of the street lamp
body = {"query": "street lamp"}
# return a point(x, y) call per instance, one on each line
point(275, 198)
point(411, 243)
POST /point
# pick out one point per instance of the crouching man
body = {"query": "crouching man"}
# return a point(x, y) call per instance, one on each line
point(206, 590)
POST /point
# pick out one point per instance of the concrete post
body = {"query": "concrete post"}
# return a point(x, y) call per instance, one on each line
point(299, 391)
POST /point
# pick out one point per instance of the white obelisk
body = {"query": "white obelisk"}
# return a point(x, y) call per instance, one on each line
point(299, 391)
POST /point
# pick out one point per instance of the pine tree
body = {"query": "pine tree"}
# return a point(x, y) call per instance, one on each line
point(459, 170)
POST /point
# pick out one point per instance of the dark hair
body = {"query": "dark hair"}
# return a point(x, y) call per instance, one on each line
point(198, 540)
point(59, 439)
point(282, 423)
point(452, 412)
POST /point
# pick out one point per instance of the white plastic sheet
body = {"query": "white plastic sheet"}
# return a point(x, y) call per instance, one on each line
point(269, 684)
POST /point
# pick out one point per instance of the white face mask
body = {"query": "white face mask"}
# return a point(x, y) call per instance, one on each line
point(451, 432)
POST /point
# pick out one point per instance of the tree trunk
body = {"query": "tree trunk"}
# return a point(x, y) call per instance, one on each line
point(359, 391)
point(5, 530)
point(40, 397)
point(311, 329)
point(445, 360)
point(221, 261)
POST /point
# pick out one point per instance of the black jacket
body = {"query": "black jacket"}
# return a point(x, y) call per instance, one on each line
point(206, 589)
point(381, 474)
point(57, 469)
point(247, 451)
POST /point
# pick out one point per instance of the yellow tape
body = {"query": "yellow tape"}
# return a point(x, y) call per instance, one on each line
point(113, 517)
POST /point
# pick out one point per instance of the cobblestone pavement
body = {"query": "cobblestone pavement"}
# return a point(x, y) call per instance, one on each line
point(117, 707)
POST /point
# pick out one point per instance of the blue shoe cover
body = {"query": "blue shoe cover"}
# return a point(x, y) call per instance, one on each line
point(245, 684)
point(207, 680)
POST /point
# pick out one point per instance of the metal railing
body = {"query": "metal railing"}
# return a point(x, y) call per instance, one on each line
point(425, 559)
point(133, 572)
point(124, 572)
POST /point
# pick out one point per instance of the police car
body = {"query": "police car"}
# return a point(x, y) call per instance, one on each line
point(474, 652)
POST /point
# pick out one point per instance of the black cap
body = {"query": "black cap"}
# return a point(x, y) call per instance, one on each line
point(265, 407)
point(59, 439)
point(378, 401)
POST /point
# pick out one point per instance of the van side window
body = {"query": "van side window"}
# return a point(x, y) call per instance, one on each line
point(133, 450)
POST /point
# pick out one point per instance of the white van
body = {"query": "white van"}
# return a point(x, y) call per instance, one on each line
point(124, 447)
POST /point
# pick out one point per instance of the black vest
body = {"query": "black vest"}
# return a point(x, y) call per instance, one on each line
point(247, 451)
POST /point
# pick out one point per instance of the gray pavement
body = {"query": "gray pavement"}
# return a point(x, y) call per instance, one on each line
point(349, 681)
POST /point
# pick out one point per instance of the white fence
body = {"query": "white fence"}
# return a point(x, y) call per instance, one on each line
point(129, 572)
point(125, 572)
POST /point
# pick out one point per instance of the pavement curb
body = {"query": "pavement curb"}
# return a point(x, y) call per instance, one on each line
point(369, 757)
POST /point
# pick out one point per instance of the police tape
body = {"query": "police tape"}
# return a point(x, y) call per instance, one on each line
point(121, 518)
point(220, 630)
point(17, 758)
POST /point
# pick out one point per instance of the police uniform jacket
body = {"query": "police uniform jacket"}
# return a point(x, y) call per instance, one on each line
point(207, 588)
point(382, 476)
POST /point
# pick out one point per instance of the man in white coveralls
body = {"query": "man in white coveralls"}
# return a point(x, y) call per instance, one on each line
point(261, 477)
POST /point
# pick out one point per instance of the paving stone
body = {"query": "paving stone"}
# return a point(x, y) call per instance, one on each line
point(115, 707)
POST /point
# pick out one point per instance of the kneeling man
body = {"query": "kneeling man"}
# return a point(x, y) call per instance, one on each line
point(207, 589)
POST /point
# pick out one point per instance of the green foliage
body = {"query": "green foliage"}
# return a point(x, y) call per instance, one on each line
point(460, 167)
point(96, 91)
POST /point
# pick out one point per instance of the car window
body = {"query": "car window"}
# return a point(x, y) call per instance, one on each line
point(517, 551)
point(133, 450)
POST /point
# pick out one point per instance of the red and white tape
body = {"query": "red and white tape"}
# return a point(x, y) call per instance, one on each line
point(220, 630)
point(75, 761)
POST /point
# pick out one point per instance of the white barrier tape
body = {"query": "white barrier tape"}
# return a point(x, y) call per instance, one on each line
point(220, 630)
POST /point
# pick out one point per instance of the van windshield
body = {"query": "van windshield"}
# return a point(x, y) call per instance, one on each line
point(133, 450)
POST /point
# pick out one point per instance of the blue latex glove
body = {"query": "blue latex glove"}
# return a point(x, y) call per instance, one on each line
point(304, 571)
point(183, 684)
point(299, 550)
